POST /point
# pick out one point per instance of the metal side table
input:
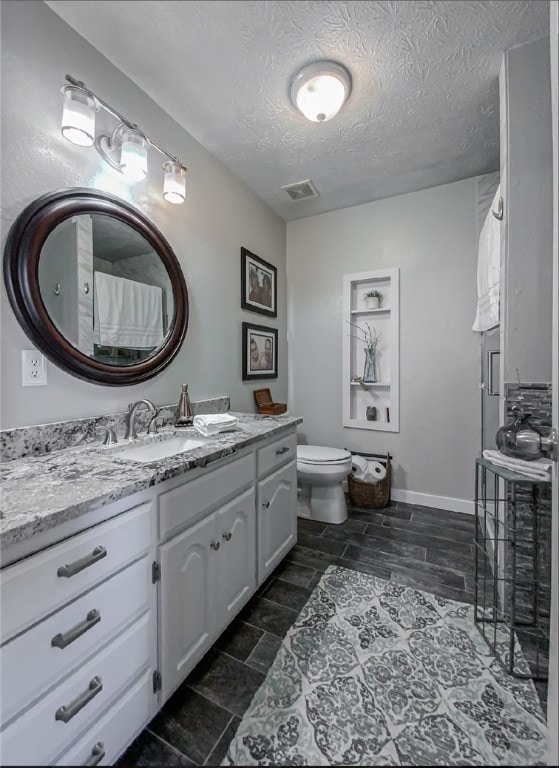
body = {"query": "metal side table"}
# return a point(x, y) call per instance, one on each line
point(513, 568)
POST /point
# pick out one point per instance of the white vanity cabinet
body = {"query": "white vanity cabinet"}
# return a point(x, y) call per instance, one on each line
point(276, 503)
point(78, 633)
point(100, 628)
point(208, 572)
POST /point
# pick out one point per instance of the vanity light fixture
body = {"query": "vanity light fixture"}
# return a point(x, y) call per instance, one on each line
point(126, 149)
point(320, 90)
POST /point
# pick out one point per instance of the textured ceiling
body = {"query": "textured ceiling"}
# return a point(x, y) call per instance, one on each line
point(424, 109)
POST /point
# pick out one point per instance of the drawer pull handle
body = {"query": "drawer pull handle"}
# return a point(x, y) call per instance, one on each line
point(265, 504)
point(62, 640)
point(281, 451)
point(66, 713)
point(97, 754)
point(65, 571)
point(227, 536)
point(215, 545)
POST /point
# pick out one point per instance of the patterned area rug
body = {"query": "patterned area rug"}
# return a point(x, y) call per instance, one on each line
point(374, 673)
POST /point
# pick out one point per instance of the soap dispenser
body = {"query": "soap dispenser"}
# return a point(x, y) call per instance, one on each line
point(184, 409)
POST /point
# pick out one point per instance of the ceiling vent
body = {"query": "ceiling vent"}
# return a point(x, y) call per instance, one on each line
point(301, 190)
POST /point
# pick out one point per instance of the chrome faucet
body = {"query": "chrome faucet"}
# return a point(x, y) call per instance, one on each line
point(133, 408)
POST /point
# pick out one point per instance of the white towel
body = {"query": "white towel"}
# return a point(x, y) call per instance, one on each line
point(213, 424)
point(539, 469)
point(488, 271)
point(126, 313)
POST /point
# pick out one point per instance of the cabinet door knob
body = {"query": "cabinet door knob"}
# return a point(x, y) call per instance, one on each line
point(227, 536)
point(281, 451)
point(265, 504)
point(215, 545)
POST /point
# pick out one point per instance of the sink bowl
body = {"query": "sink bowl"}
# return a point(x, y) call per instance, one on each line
point(160, 449)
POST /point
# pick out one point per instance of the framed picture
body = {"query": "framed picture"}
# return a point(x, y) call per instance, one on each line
point(260, 352)
point(259, 290)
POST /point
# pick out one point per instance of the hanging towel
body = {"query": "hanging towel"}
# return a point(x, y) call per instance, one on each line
point(213, 424)
point(488, 271)
point(539, 469)
point(126, 313)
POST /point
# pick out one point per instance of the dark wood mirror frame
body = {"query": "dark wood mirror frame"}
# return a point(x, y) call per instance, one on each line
point(21, 275)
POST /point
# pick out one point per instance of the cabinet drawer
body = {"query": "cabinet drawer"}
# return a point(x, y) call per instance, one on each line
point(182, 504)
point(42, 583)
point(30, 664)
point(113, 732)
point(97, 682)
point(277, 453)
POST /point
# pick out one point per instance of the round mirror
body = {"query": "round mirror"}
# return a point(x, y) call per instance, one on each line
point(96, 286)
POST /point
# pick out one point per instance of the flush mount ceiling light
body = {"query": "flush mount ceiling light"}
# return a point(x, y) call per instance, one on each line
point(126, 150)
point(320, 90)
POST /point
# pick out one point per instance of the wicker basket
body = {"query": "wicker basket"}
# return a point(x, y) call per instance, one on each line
point(370, 495)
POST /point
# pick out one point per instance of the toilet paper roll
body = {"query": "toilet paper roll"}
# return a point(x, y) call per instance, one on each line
point(359, 467)
point(377, 470)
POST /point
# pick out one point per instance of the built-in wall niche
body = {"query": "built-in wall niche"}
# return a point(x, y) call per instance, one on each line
point(371, 350)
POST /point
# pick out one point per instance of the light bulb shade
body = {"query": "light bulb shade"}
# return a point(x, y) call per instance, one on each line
point(320, 90)
point(134, 155)
point(78, 116)
point(174, 184)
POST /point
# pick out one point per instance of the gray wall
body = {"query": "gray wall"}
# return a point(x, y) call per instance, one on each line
point(431, 236)
point(528, 213)
point(219, 216)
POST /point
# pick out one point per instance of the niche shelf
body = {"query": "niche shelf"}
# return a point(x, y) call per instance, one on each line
point(384, 394)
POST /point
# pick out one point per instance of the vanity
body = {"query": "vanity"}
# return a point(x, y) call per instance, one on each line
point(119, 574)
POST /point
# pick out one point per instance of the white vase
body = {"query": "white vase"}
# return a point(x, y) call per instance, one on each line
point(372, 302)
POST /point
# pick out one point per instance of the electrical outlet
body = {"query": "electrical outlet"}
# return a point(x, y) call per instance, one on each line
point(33, 368)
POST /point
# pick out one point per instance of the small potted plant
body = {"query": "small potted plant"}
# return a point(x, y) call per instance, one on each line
point(372, 299)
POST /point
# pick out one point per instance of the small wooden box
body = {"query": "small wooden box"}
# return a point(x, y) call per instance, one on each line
point(264, 404)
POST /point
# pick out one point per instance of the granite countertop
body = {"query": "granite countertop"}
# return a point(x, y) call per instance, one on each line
point(42, 492)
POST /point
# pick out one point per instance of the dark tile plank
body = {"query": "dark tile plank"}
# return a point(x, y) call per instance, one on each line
point(437, 531)
point(393, 563)
point(149, 749)
point(226, 682)
point(294, 573)
point(239, 640)
point(220, 750)
point(372, 569)
point(319, 561)
point(310, 526)
point(411, 580)
point(359, 513)
point(385, 543)
point(191, 724)
point(453, 562)
point(287, 594)
point(399, 535)
point(349, 526)
point(265, 652)
point(321, 544)
point(432, 516)
point(269, 616)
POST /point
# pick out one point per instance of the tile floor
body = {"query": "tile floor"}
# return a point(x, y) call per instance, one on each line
point(427, 548)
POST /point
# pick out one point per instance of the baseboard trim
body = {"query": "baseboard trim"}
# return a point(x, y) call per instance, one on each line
point(439, 502)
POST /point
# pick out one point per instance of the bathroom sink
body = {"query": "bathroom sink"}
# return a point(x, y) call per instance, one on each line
point(159, 449)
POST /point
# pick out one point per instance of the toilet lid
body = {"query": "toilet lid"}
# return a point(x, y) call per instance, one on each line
point(317, 454)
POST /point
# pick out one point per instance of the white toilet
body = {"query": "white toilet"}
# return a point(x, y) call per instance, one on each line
point(320, 473)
